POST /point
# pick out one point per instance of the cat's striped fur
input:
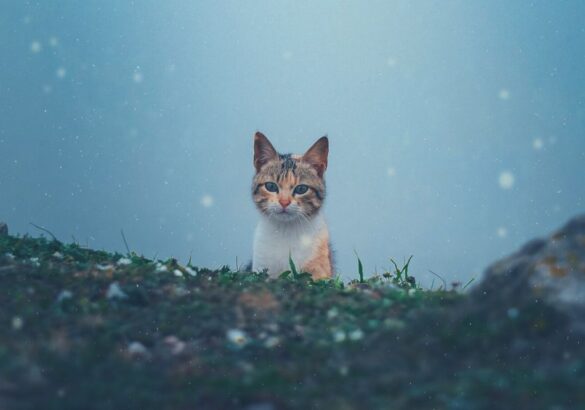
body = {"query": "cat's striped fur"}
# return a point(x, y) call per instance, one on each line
point(291, 222)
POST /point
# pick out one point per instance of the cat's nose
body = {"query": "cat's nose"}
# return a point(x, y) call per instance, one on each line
point(284, 202)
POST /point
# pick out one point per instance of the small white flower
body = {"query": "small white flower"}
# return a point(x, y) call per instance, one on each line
point(190, 271)
point(504, 94)
point(411, 292)
point(207, 201)
point(61, 72)
point(506, 180)
point(237, 337)
point(115, 292)
point(124, 262)
point(178, 273)
point(58, 255)
point(17, 323)
point(103, 268)
point(356, 335)
point(339, 336)
point(35, 262)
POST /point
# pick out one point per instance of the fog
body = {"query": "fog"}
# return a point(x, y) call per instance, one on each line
point(457, 129)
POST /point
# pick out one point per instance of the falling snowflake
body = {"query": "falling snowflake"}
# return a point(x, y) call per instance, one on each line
point(502, 232)
point(53, 41)
point(391, 171)
point(287, 55)
point(36, 47)
point(391, 62)
point(504, 94)
point(137, 76)
point(506, 180)
point(61, 72)
point(537, 144)
point(207, 201)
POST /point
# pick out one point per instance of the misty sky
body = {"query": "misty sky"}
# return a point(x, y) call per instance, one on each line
point(457, 128)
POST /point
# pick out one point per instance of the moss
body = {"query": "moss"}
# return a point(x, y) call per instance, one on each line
point(163, 341)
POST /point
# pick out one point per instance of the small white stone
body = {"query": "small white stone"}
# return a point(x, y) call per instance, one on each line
point(237, 337)
point(272, 342)
point(124, 262)
point(64, 295)
point(332, 313)
point(103, 268)
point(356, 335)
point(115, 292)
point(58, 255)
point(17, 323)
point(339, 336)
point(190, 271)
point(412, 292)
point(178, 273)
point(160, 268)
point(137, 349)
point(35, 262)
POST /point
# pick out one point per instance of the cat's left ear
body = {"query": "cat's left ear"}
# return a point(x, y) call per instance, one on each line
point(317, 155)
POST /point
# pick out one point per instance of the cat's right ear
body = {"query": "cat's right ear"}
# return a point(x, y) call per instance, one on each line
point(263, 151)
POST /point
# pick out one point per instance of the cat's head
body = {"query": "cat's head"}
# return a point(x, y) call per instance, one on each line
point(289, 188)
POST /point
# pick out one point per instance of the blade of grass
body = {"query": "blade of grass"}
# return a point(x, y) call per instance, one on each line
point(360, 267)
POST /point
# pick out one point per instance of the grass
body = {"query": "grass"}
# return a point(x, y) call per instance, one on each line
point(89, 329)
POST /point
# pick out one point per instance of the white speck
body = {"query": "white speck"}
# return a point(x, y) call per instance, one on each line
point(137, 349)
point(207, 201)
point(391, 171)
point(339, 336)
point(306, 241)
point(53, 41)
point(190, 271)
point(552, 140)
point(64, 295)
point(124, 262)
point(137, 77)
point(61, 72)
point(36, 47)
point(35, 262)
point(391, 62)
point(537, 144)
point(513, 313)
point(47, 89)
point(356, 335)
point(103, 268)
point(178, 273)
point(9, 255)
point(161, 268)
point(502, 232)
point(58, 255)
point(287, 55)
point(506, 180)
point(115, 292)
point(411, 292)
point(272, 342)
point(344, 370)
point(504, 94)
point(17, 323)
point(237, 337)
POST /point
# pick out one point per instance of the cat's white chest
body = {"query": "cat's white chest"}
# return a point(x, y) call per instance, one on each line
point(274, 242)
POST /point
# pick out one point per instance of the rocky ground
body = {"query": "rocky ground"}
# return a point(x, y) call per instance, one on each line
point(83, 329)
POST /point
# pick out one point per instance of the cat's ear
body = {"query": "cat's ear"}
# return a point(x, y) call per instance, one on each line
point(263, 151)
point(317, 155)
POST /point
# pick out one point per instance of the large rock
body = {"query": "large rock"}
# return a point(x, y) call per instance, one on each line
point(551, 270)
point(3, 229)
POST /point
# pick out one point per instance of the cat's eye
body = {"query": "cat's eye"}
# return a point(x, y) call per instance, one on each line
point(300, 189)
point(271, 187)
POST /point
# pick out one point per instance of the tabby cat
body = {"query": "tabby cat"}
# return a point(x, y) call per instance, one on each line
point(289, 190)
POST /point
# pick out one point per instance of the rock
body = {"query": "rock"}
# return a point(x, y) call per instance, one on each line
point(550, 269)
point(3, 229)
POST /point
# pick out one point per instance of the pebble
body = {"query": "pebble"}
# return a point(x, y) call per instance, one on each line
point(115, 292)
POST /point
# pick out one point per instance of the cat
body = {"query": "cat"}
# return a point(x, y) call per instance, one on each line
point(289, 191)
